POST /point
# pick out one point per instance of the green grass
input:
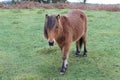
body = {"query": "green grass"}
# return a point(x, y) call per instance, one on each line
point(25, 54)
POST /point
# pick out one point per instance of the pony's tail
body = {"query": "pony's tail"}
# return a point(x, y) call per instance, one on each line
point(85, 23)
point(81, 42)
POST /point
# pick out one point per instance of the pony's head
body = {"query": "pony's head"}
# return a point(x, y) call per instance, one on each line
point(52, 28)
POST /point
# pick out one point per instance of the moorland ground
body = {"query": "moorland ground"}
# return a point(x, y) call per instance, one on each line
point(25, 54)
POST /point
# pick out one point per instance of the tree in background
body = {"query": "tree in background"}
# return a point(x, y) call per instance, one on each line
point(55, 1)
point(84, 1)
point(45, 1)
point(13, 1)
point(63, 1)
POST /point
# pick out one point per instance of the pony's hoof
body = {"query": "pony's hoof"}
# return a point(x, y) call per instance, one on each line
point(85, 55)
point(62, 72)
point(77, 54)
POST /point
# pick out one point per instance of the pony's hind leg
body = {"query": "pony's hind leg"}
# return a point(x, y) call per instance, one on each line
point(78, 46)
point(85, 49)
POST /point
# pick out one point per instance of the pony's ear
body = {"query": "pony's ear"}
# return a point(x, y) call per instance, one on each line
point(46, 15)
point(58, 16)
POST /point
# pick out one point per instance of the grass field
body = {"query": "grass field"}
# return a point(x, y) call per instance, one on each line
point(25, 54)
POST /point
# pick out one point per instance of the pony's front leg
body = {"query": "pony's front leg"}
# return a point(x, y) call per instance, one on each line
point(65, 52)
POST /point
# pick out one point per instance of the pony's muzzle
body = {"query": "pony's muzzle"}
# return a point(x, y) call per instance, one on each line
point(51, 43)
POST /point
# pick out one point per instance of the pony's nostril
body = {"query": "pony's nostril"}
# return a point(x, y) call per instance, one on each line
point(51, 43)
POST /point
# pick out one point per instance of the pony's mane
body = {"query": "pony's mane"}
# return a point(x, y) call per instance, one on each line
point(51, 21)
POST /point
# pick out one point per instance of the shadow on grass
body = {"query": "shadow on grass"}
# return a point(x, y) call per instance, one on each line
point(48, 51)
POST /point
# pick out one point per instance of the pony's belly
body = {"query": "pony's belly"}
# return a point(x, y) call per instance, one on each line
point(77, 36)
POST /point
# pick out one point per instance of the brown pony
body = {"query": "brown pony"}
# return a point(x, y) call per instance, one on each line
point(64, 30)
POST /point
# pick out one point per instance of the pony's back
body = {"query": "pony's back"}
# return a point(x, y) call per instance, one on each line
point(78, 22)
